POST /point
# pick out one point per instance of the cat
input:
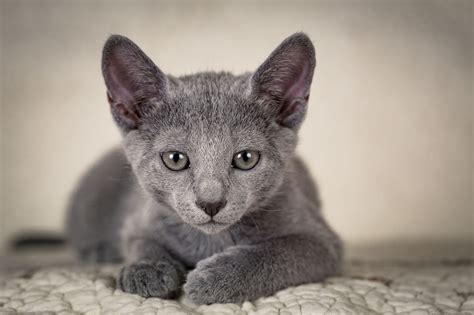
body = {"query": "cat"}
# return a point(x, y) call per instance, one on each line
point(206, 193)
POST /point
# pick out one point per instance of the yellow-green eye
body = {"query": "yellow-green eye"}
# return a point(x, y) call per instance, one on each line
point(245, 160)
point(175, 161)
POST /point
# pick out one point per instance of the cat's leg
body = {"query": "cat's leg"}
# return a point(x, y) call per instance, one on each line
point(151, 271)
point(251, 271)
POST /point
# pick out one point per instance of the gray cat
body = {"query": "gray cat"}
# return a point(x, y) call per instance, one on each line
point(206, 193)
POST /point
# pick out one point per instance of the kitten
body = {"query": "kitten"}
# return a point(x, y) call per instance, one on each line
point(206, 193)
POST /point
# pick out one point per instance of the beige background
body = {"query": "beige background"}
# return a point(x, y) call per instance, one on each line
point(389, 130)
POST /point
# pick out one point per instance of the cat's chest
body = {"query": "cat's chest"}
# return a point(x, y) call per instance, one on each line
point(191, 245)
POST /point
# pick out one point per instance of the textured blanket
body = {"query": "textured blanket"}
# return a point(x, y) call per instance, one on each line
point(365, 288)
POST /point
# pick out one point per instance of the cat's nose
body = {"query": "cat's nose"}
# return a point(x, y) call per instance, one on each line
point(211, 208)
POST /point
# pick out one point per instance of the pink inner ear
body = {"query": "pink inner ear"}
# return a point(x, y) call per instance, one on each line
point(296, 97)
point(120, 95)
point(129, 116)
point(299, 88)
point(120, 87)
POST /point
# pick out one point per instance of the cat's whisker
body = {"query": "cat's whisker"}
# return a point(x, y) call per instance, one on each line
point(271, 210)
point(255, 224)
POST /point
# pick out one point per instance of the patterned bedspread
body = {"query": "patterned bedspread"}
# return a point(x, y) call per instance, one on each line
point(390, 287)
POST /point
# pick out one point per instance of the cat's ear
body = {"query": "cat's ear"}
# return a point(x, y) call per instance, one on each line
point(284, 79)
point(133, 81)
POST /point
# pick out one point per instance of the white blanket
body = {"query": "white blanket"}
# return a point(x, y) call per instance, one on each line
point(365, 288)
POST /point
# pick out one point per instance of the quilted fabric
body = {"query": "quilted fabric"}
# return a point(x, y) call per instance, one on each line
point(365, 288)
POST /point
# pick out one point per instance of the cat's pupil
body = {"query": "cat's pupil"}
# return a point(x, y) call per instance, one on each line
point(246, 156)
point(175, 157)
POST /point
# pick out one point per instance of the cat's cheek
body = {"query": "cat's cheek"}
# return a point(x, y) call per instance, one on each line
point(268, 173)
point(163, 185)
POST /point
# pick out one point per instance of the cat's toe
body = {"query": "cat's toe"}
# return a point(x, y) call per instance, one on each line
point(211, 283)
point(198, 288)
point(150, 279)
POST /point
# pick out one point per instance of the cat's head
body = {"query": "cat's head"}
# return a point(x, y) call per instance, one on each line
point(211, 146)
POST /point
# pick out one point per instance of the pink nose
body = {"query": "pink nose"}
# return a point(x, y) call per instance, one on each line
point(211, 208)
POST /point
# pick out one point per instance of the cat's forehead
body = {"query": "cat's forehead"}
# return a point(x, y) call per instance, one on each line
point(210, 92)
point(208, 140)
point(217, 83)
point(211, 110)
point(213, 101)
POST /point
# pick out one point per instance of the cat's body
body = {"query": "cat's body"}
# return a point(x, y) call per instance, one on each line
point(114, 194)
point(245, 227)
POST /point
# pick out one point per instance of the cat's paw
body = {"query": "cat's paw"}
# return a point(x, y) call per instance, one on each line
point(216, 279)
point(150, 279)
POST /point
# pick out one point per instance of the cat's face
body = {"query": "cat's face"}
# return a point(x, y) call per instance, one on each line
point(211, 146)
point(205, 159)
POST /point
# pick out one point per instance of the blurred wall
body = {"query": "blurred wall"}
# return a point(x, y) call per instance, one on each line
point(388, 133)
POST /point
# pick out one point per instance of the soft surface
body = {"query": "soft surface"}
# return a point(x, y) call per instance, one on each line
point(365, 288)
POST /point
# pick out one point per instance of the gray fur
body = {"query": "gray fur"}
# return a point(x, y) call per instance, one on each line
point(269, 235)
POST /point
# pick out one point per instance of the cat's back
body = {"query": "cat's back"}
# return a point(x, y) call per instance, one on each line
point(99, 202)
point(304, 181)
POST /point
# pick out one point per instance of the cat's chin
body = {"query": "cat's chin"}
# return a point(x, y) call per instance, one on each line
point(212, 227)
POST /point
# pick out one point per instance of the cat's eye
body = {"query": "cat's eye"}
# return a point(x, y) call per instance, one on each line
point(175, 161)
point(245, 160)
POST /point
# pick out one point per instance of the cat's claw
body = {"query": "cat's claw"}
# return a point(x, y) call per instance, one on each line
point(150, 279)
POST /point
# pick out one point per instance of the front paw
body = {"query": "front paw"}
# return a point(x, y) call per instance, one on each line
point(151, 279)
point(216, 279)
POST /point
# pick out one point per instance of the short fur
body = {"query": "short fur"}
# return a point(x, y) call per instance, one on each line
point(269, 235)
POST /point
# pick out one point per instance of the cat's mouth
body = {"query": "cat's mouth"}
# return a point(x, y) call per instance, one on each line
point(213, 222)
point(212, 226)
